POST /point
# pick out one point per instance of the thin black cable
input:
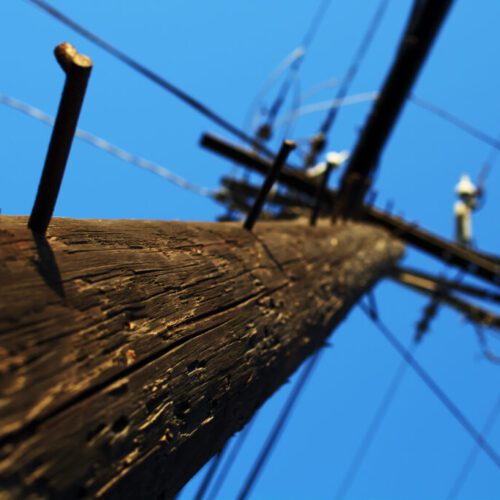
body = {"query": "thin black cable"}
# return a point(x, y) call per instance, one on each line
point(471, 458)
point(315, 23)
point(231, 459)
point(372, 431)
point(493, 153)
point(214, 464)
point(278, 427)
point(455, 120)
point(296, 64)
point(150, 75)
point(355, 65)
point(490, 160)
point(438, 392)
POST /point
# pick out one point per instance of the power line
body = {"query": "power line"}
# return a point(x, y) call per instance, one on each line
point(231, 459)
point(331, 104)
point(471, 458)
point(315, 23)
point(214, 464)
point(278, 427)
point(294, 65)
point(319, 140)
point(421, 103)
point(371, 432)
point(250, 121)
point(113, 150)
point(435, 389)
point(423, 26)
point(150, 75)
point(356, 63)
point(455, 120)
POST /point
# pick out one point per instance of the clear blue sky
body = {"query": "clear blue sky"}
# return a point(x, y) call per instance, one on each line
point(221, 52)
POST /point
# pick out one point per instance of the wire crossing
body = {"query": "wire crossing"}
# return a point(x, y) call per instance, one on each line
point(432, 385)
point(150, 75)
point(293, 62)
point(471, 458)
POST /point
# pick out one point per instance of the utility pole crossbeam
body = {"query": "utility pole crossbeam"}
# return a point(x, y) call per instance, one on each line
point(423, 26)
point(130, 351)
point(482, 265)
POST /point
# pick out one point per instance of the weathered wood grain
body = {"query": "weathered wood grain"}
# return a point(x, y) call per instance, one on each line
point(130, 351)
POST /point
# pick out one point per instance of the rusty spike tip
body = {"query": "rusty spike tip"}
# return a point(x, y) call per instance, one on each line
point(68, 57)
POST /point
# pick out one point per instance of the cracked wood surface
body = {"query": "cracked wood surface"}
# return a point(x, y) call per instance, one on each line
point(130, 351)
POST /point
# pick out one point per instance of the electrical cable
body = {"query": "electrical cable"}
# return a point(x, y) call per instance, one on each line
point(231, 459)
point(424, 104)
point(150, 75)
point(455, 120)
point(278, 427)
point(372, 431)
point(490, 160)
point(472, 456)
point(356, 64)
point(251, 122)
point(294, 64)
point(113, 150)
point(214, 464)
point(435, 389)
point(330, 104)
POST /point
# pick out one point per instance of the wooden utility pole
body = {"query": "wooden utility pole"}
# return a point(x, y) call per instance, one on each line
point(130, 351)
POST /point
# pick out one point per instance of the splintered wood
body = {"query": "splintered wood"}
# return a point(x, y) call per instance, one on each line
point(130, 351)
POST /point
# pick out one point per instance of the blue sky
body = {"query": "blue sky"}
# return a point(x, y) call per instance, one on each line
point(222, 52)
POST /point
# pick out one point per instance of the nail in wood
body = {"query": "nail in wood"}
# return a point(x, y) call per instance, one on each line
point(77, 68)
point(286, 148)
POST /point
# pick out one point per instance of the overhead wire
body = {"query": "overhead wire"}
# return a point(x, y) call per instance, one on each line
point(319, 140)
point(490, 160)
point(231, 459)
point(425, 105)
point(293, 63)
point(330, 104)
point(471, 458)
point(150, 75)
point(252, 118)
point(377, 419)
point(111, 149)
point(455, 120)
point(435, 389)
point(355, 64)
point(278, 427)
point(371, 432)
point(118, 152)
point(318, 88)
point(207, 479)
